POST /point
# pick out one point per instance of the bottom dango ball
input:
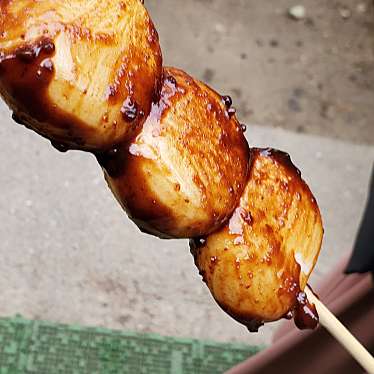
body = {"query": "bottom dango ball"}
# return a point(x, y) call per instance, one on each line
point(258, 264)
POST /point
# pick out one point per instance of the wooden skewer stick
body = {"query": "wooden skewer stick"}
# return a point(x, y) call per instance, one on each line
point(341, 334)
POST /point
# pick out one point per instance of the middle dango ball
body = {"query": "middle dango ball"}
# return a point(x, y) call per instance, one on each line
point(183, 174)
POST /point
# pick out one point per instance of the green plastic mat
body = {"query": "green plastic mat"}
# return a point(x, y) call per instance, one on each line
point(46, 348)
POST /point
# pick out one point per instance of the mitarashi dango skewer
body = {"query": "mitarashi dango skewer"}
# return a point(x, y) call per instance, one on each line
point(88, 75)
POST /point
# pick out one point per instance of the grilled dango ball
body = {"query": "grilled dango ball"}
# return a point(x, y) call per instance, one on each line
point(81, 73)
point(257, 265)
point(184, 173)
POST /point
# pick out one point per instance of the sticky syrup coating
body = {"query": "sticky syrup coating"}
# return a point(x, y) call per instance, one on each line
point(260, 261)
point(81, 73)
point(183, 175)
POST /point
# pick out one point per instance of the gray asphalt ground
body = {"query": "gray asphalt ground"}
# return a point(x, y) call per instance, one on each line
point(69, 254)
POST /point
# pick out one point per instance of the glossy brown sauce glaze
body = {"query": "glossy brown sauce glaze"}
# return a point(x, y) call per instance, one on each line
point(185, 170)
point(295, 181)
point(171, 91)
point(305, 313)
point(24, 78)
point(114, 161)
point(253, 264)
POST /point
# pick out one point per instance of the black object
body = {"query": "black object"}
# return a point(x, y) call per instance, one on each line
point(362, 260)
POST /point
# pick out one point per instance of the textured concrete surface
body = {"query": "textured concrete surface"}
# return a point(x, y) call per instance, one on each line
point(69, 254)
point(314, 75)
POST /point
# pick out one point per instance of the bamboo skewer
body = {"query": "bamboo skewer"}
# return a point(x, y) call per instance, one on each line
point(341, 334)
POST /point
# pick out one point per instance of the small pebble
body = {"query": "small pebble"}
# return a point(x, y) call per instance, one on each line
point(274, 43)
point(294, 105)
point(297, 12)
point(345, 12)
point(361, 8)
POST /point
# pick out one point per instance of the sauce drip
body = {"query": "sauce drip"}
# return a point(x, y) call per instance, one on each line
point(227, 101)
point(305, 314)
point(231, 112)
point(254, 325)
